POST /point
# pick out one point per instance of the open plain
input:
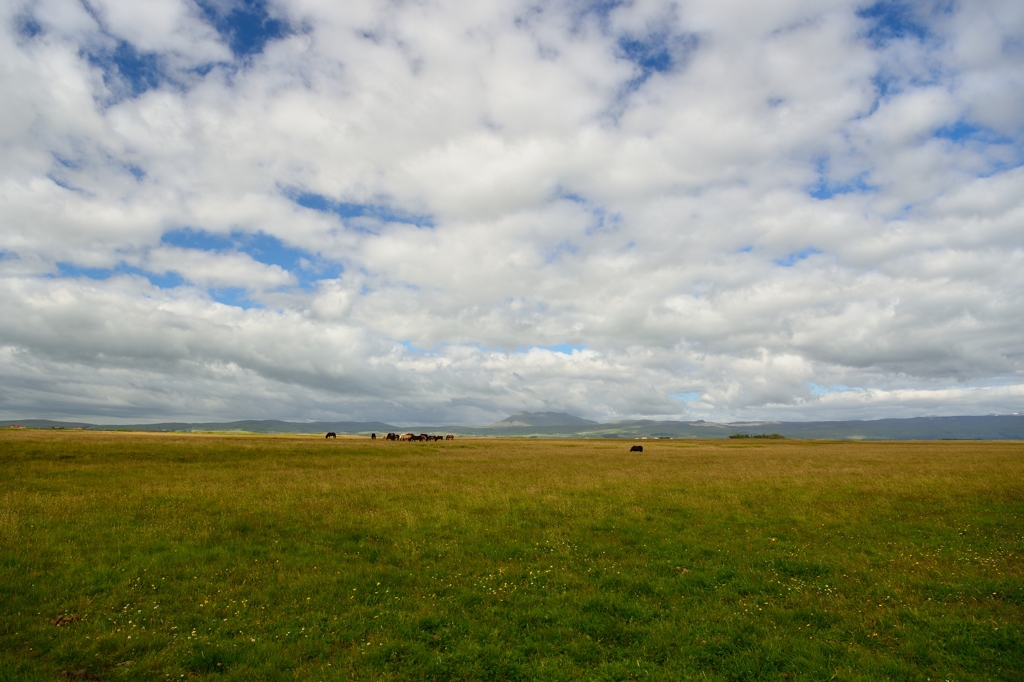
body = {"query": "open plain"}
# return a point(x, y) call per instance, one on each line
point(129, 556)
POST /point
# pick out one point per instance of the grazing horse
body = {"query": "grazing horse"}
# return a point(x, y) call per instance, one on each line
point(392, 436)
point(331, 434)
point(637, 448)
point(407, 437)
point(449, 437)
point(373, 436)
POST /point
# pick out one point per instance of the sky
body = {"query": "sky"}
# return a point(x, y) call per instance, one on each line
point(434, 212)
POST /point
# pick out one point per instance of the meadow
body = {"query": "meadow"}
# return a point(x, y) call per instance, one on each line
point(131, 556)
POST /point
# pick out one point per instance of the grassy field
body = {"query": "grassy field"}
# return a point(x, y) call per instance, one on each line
point(129, 556)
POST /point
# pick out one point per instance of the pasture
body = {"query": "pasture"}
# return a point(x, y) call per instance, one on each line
point(131, 556)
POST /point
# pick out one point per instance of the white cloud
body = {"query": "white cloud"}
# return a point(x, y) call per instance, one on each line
point(163, 26)
point(218, 269)
point(731, 202)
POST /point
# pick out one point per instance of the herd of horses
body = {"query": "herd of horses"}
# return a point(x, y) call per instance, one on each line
point(401, 437)
point(427, 437)
point(413, 436)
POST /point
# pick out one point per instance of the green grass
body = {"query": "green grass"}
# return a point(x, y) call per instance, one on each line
point(259, 557)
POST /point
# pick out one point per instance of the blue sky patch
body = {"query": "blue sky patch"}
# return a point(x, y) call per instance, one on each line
point(563, 348)
point(687, 397)
point(656, 53)
point(186, 238)
point(650, 55)
point(344, 209)
point(822, 390)
point(890, 20)
point(307, 267)
point(67, 163)
point(602, 219)
point(958, 132)
point(233, 296)
point(824, 188)
point(63, 184)
point(412, 348)
point(126, 69)
point(27, 26)
point(556, 254)
point(247, 27)
point(791, 259)
point(963, 131)
point(597, 8)
point(168, 280)
point(886, 85)
point(72, 270)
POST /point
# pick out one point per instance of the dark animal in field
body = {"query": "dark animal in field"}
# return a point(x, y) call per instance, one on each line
point(637, 448)
point(449, 437)
point(373, 436)
point(331, 434)
point(392, 436)
point(424, 436)
point(407, 436)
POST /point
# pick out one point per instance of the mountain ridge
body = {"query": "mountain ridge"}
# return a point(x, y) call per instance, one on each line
point(964, 427)
point(543, 419)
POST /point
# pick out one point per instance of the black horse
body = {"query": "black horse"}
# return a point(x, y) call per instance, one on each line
point(331, 434)
point(637, 448)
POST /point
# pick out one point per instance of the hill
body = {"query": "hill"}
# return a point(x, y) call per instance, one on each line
point(561, 425)
point(542, 419)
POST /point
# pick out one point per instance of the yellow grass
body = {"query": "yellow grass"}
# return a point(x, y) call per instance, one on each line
point(508, 559)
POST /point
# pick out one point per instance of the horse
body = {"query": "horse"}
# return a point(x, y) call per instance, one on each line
point(331, 434)
point(637, 448)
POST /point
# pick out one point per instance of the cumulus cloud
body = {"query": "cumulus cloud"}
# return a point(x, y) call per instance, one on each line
point(428, 212)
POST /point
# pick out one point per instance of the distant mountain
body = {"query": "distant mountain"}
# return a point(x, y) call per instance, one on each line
point(561, 425)
point(542, 419)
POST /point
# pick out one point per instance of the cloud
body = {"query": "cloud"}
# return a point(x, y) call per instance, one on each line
point(434, 212)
